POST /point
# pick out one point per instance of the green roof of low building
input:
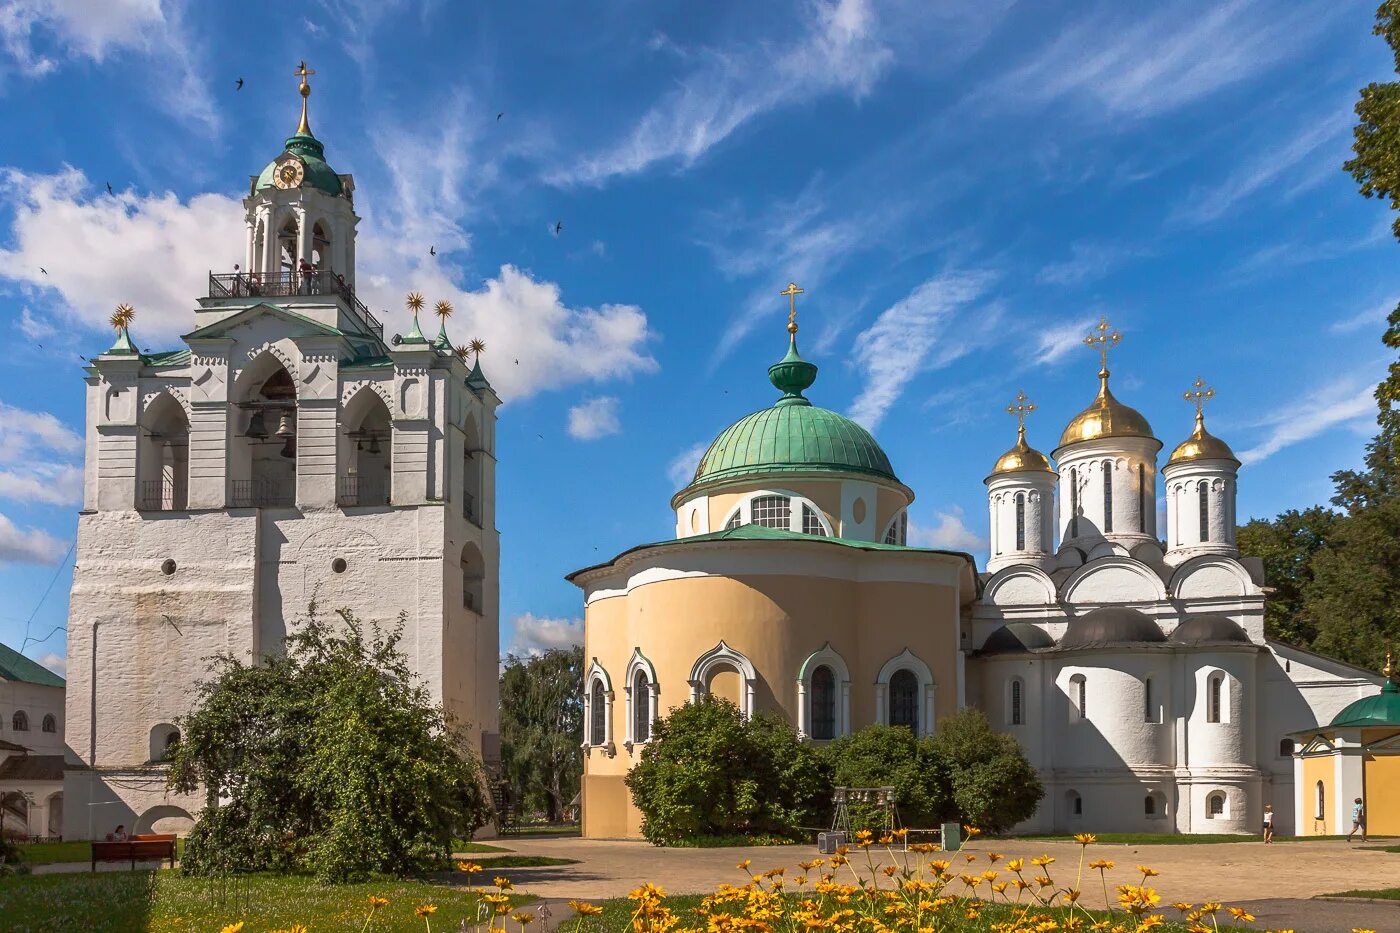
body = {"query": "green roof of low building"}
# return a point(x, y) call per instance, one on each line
point(793, 436)
point(16, 667)
point(1383, 709)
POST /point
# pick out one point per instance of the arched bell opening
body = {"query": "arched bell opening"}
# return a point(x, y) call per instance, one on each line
point(263, 451)
point(162, 456)
point(320, 246)
point(366, 452)
point(287, 247)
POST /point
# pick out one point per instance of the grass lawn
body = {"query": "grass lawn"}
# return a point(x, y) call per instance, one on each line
point(164, 901)
point(52, 853)
point(462, 845)
point(735, 841)
point(617, 914)
point(1385, 894)
point(522, 861)
point(547, 829)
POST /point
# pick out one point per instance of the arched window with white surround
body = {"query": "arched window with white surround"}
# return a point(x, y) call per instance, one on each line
point(897, 531)
point(1144, 503)
point(1203, 495)
point(1151, 709)
point(1078, 698)
point(904, 692)
point(1215, 805)
point(1074, 804)
point(823, 695)
point(597, 707)
point(783, 510)
point(1154, 805)
point(1073, 502)
point(1108, 496)
point(642, 698)
point(1016, 702)
point(1020, 521)
point(20, 721)
point(1321, 801)
point(50, 723)
point(722, 660)
point(1217, 697)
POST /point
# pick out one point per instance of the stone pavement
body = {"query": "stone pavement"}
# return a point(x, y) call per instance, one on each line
point(1273, 882)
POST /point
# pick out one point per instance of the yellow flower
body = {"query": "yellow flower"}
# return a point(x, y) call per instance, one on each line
point(1182, 906)
point(424, 910)
point(744, 865)
point(470, 868)
point(1239, 913)
point(1016, 864)
point(1071, 896)
point(523, 917)
point(376, 902)
point(971, 832)
point(1148, 872)
point(993, 857)
point(502, 883)
point(1085, 839)
point(1102, 864)
point(232, 927)
point(647, 891)
point(1042, 860)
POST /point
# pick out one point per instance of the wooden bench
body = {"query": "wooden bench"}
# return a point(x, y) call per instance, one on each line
point(155, 847)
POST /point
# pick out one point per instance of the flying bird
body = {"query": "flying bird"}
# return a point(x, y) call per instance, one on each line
point(239, 85)
point(558, 227)
point(499, 115)
point(432, 250)
point(43, 270)
point(109, 188)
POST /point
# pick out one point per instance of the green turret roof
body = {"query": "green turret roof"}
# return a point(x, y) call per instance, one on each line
point(312, 153)
point(1383, 709)
point(793, 436)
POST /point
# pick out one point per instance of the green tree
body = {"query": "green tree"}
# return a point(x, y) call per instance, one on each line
point(328, 757)
point(1355, 590)
point(542, 729)
point(985, 777)
point(709, 772)
point(1287, 545)
point(890, 756)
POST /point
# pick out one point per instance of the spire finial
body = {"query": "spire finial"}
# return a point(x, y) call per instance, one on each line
point(476, 347)
point(304, 128)
point(443, 309)
point(1101, 340)
point(121, 320)
point(792, 291)
point(1389, 669)
point(414, 302)
point(1200, 394)
point(1020, 408)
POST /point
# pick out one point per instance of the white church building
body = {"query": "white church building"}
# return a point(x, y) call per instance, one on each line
point(285, 452)
point(1131, 663)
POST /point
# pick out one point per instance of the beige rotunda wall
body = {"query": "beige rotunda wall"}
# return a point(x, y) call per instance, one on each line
point(775, 604)
point(835, 497)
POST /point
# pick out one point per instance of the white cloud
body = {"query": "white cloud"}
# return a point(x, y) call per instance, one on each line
point(681, 470)
point(838, 50)
point(535, 635)
point(27, 545)
point(950, 532)
point(56, 663)
point(99, 250)
point(1087, 261)
point(34, 32)
point(1055, 343)
point(1339, 403)
point(1367, 318)
point(35, 328)
point(24, 433)
point(895, 348)
point(37, 454)
point(49, 483)
point(594, 418)
point(1128, 63)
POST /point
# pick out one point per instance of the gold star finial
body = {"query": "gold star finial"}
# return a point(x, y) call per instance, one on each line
point(792, 291)
point(443, 309)
point(1020, 408)
point(1200, 394)
point(1101, 340)
point(304, 128)
point(414, 302)
point(1389, 668)
point(122, 317)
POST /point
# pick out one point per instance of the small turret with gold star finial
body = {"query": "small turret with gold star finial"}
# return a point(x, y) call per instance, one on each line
point(121, 322)
point(443, 309)
point(1201, 445)
point(414, 303)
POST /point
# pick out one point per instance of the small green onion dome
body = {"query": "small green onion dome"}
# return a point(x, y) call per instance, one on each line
point(793, 436)
point(312, 153)
point(1383, 709)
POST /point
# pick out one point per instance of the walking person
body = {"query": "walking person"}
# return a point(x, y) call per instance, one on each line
point(1268, 823)
point(1358, 820)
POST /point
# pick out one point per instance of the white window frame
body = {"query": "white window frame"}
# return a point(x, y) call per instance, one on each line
point(722, 657)
point(1012, 702)
point(1224, 813)
point(1078, 685)
point(597, 673)
point(824, 656)
point(640, 662)
point(1216, 715)
point(744, 510)
point(906, 660)
point(900, 523)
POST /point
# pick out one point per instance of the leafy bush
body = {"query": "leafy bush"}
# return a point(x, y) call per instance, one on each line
point(709, 772)
point(985, 778)
point(880, 756)
point(327, 758)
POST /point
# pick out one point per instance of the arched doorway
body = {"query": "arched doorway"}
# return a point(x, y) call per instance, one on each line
point(366, 451)
point(162, 455)
point(163, 819)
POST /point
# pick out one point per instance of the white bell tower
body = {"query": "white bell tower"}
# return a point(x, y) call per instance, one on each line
point(1200, 477)
point(300, 214)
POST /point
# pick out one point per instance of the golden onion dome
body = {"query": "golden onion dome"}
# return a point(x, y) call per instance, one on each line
point(1105, 417)
point(1023, 458)
point(1201, 445)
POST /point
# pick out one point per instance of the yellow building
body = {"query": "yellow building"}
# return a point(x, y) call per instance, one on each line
point(1356, 756)
point(788, 587)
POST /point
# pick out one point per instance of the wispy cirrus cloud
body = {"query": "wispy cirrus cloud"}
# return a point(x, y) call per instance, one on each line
point(838, 50)
point(27, 545)
point(1345, 401)
point(681, 469)
point(914, 334)
point(1368, 317)
point(949, 531)
point(1055, 342)
point(1086, 262)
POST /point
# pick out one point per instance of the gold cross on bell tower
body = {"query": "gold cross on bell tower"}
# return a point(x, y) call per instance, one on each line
point(1200, 394)
point(1101, 340)
point(792, 291)
point(304, 128)
point(1020, 408)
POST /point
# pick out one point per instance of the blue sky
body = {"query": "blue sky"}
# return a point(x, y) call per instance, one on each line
point(962, 188)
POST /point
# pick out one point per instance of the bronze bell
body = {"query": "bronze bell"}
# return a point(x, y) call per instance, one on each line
point(257, 427)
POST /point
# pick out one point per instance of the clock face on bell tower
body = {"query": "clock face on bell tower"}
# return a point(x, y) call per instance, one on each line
point(290, 173)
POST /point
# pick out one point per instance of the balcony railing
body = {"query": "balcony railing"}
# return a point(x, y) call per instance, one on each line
point(358, 489)
point(161, 495)
point(262, 494)
point(281, 284)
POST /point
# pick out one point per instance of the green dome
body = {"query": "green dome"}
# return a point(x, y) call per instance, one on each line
point(794, 436)
point(312, 153)
point(1383, 709)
